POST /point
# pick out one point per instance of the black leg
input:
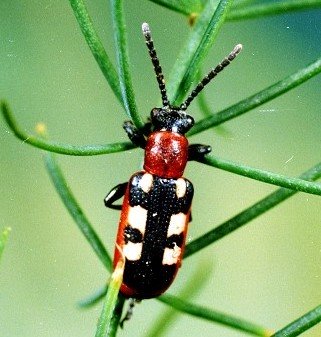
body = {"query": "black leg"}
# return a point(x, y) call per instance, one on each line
point(115, 194)
point(198, 151)
point(129, 313)
point(136, 137)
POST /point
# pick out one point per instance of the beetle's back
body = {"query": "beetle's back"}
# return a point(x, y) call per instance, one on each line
point(152, 232)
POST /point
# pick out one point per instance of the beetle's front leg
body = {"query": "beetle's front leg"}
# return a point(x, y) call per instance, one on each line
point(135, 135)
point(198, 151)
point(115, 194)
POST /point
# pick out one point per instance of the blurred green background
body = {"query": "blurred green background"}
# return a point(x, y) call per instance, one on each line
point(268, 272)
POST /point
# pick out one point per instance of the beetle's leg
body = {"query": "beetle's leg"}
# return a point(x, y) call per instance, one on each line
point(136, 137)
point(115, 194)
point(198, 151)
point(129, 313)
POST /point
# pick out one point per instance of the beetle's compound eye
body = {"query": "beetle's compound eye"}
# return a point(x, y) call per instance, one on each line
point(182, 123)
point(190, 120)
point(159, 118)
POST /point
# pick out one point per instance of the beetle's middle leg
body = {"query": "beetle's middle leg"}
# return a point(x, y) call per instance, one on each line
point(198, 151)
point(115, 194)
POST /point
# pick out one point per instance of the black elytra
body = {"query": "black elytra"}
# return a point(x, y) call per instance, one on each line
point(148, 274)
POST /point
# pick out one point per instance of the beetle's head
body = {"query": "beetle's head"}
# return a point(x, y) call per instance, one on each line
point(171, 119)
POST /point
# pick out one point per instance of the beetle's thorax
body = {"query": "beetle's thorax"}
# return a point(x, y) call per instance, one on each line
point(166, 154)
point(166, 151)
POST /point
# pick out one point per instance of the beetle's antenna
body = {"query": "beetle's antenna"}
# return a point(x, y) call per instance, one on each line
point(227, 60)
point(155, 61)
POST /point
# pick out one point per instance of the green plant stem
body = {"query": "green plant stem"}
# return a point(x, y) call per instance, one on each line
point(113, 305)
point(263, 9)
point(125, 79)
point(112, 309)
point(75, 211)
point(259, 98)
point(214, 316)
point(295, 184)
point(185, 7)
point(248, 214)
point(117, 312)
point(86, 150)
point(110, 317)
point(96, 46)
point(198, 44)
point(301, 324)
point(113, 323)
point(245, 9)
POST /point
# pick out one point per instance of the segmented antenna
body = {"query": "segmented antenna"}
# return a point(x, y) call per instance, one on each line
point(227, 60)
point(155, 61)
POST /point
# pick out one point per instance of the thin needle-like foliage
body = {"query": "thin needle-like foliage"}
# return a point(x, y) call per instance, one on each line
point(303, 323)
point(75, 210)
point(214, 316)
point(246, 9)
point(68, 149)
point(253, 11)
point(125, 80)
point(110, 316)
point(196, 48)
point(259, 98)
point(210, 17)
point(96, 46)
point(248, 214)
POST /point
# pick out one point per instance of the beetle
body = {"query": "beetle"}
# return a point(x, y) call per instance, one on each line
point(156, 208)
